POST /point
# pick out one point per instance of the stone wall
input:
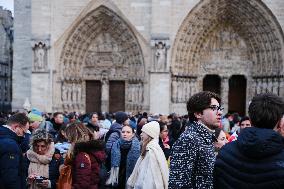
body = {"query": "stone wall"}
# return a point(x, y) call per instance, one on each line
point(6, 53)
point(22, 57)
point(180, 43)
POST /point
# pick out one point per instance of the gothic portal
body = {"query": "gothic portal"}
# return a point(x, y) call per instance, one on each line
point(226, 38)
point(102, 48)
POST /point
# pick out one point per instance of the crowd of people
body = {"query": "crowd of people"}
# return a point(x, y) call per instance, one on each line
point(202, 149)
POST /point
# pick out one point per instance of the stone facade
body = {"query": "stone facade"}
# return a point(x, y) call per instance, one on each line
point(161, 49)
point(6, 59)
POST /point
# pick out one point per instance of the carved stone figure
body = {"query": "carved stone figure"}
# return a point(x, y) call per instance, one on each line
point(160, 56)
point(40, 57)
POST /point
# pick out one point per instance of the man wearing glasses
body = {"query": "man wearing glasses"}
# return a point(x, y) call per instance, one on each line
point(193, 158)
point(11, 164)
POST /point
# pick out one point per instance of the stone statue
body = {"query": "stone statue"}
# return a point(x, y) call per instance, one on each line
point(64, 93)
point(160, 56)
point(39, 57)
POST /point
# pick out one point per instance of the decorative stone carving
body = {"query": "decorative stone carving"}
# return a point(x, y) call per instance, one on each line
point(160, 46)
point(216, 35)
point(160, 56)
point(267, 84)
point(182, 88)
point(134, 98)
point(102, 43)
point(40, 57)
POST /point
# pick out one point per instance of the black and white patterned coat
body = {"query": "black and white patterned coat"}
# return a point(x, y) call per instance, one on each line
point(193, 159)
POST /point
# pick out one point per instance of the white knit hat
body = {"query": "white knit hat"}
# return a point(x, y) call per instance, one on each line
point(152, 129)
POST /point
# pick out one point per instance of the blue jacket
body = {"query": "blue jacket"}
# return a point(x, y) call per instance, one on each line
point(192, 160)
point(115, 130)
point(12, 173)
point(255, 160)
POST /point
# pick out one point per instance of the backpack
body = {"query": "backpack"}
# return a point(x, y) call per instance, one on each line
point(65, 177)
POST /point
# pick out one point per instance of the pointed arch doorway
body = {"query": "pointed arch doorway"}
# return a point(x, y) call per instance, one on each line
point(212, 83)
point(237, 94)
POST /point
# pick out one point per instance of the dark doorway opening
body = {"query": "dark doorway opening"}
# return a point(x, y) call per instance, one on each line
point(212, 83)
point(237, 94)
point(93, 96)
point(116, 96)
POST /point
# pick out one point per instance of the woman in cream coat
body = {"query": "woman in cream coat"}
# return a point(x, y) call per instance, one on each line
point(151, 170)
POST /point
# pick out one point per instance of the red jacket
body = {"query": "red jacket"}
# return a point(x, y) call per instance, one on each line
point(86, 173)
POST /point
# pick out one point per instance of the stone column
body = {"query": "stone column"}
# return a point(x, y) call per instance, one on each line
point(225, 93)
point(281, 87)
point(105, 96)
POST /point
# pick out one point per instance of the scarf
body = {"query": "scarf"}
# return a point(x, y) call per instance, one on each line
point(132, 156)
point(166, 141)
point(39, 164)
point(157, 165)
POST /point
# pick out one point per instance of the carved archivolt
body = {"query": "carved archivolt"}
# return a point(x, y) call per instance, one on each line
point(243, 31)
point(101, 43)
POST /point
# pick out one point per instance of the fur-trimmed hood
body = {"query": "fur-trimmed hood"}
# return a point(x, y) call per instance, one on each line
point(89, 147)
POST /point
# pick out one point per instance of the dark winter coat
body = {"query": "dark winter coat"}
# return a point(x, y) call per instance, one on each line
point(86, 175)
point(54, 164)
point(12, 173)
point(255, 160)
point(192, 160)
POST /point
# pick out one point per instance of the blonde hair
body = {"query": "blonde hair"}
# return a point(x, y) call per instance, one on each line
point(78, 132)
point(144, 145)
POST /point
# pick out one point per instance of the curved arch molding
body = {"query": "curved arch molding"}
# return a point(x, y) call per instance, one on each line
point(101, 47)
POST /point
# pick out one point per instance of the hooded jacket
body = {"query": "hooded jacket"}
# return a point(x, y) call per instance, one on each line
point(255, 160)
point(85, 170)
point(12, 173)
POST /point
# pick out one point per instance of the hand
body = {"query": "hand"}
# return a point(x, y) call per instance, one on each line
point(31, 178)
point(43, 184)
point(96, 135)
point(167, 146)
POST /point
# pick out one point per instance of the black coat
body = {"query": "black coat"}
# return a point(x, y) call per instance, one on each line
point(255, 160)
point(12, 173)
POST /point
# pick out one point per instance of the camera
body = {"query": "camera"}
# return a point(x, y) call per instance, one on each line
point(39, 179)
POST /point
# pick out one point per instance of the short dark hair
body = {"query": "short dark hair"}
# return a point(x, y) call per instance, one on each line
point(217, 132)
point(162, 125)
point(20, 118)
point(265, 110)
point(57, 113)
point(200, 101)
point(245, 118)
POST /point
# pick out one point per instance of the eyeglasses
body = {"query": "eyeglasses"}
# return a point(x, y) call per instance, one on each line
point(216, 108)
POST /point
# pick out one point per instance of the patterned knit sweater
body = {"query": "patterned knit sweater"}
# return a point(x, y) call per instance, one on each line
point(193, 159)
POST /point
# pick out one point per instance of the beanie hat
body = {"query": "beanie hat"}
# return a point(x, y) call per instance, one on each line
point(152, 129)
point(40, 134)
point(120, 117)
point(35, 115)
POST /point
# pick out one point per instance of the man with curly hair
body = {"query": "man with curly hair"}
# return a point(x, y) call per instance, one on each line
point(193, 158)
